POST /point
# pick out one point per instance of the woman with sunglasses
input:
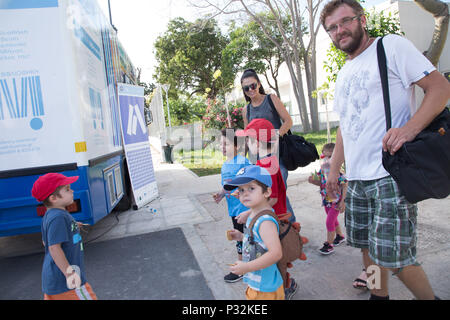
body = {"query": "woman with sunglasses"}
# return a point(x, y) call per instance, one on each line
point(259, 107)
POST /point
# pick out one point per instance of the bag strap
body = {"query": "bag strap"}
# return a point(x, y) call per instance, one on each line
point(251, 238)
point(273, 108)
point(381, 55)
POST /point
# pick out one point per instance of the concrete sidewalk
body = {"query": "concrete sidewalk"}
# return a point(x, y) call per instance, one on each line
point(185, 201)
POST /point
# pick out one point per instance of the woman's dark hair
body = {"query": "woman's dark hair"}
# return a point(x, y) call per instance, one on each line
point(250, 73)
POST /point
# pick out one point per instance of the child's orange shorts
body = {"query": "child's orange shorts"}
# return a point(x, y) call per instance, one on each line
point(85, 292)
point(252, 294)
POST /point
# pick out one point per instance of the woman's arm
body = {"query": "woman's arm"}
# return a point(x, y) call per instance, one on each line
point(283, 113)
point(244, 116)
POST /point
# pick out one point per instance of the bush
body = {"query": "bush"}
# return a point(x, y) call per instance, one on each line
point(184, 110)
point(216, 115)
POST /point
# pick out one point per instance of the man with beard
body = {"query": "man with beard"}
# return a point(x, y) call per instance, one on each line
point(379, 221)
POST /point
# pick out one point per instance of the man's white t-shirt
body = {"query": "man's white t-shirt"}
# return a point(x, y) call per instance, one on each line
point(359, 102)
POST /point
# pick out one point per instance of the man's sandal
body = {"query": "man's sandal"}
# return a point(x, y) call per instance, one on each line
point(360, 283)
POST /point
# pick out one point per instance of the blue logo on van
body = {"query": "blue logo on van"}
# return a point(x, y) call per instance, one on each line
point(20, 95)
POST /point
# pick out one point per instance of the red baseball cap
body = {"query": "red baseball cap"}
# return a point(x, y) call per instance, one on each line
point(261, 129)
point(45, 185)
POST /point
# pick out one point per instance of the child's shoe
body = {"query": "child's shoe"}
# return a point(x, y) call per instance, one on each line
point(339, 239)
point(327, 248)
point(231, 277)
point(289, 292)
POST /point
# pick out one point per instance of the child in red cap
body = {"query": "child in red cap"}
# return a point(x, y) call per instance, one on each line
point(262, 139)
point(63, 274)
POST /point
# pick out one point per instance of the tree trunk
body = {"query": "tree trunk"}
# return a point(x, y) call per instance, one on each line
point(440, 12)
point(297, 86)
point(311, 68)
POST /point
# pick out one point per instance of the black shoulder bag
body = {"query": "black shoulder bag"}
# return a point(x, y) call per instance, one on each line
point(294, 150)
point(421, 167)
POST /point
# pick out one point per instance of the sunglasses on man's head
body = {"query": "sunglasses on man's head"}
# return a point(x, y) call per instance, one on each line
point(252, 86)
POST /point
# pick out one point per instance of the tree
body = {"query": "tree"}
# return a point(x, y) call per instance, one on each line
point(440, 12)
point(186, 110)
point(297, 44)
point(252, 49)
point(188, 54)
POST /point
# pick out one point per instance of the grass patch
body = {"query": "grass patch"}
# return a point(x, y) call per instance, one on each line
point(209, 161)
point(203, 162)
point(319, 138)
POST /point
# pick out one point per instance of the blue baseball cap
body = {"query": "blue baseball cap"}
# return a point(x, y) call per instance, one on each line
point(247, 174)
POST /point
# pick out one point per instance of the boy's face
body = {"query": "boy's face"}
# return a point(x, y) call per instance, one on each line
point(251, 194)
point(228, 148)
point(64, 199)
point(252, 145)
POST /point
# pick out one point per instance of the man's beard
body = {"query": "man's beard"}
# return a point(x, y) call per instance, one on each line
point(357, 37)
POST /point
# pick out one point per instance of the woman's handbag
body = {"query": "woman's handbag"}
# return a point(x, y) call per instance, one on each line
point(421, 167)
point(294, 150)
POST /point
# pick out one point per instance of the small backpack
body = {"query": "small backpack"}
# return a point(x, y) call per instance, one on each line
point(291, 242)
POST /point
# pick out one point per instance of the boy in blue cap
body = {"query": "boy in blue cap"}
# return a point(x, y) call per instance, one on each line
point(260, 256)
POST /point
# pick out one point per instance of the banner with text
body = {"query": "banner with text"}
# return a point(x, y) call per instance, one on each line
point(137, 146)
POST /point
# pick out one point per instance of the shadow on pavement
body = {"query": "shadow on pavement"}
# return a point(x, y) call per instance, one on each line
point(157, 265)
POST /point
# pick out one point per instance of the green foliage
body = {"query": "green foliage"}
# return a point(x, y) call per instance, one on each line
point(335, 60)
point(216, 115)
point(148, 89)
point(185, 110)
point(319, 138)
point(188, 54)
point(249, 46)
point(378, 24)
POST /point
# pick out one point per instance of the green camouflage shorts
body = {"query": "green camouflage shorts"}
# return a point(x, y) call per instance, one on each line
point(377, 217)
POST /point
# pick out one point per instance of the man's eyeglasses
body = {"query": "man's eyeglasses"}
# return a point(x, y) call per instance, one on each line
point(252, 86)
point(345, 22)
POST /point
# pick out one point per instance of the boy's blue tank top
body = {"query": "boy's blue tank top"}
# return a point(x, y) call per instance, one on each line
point(265, 280)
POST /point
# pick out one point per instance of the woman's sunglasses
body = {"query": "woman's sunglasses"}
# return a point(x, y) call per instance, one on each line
point(252, 86)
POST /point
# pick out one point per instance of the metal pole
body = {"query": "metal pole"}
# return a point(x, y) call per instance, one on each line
point(162, 119)
point(110, 17)
point(168, 108)
point(328, 122)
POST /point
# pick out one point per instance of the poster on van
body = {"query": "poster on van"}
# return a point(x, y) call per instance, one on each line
point(136, 144)
point(35, 119)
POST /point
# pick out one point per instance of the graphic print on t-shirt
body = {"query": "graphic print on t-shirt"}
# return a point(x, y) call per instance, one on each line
point(356, 98)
